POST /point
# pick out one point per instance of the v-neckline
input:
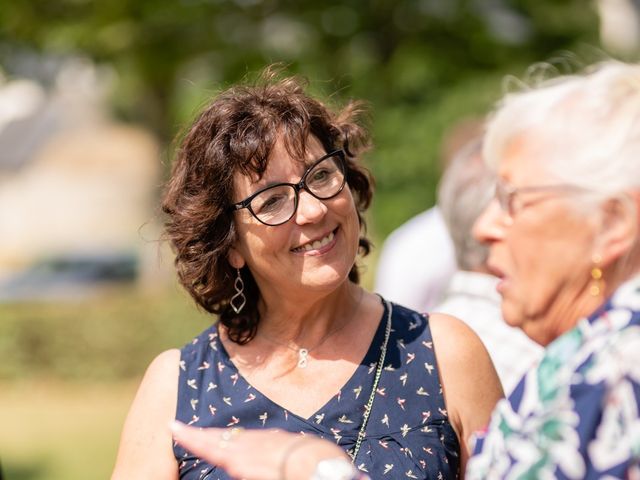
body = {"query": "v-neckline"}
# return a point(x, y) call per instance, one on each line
point(371, 356)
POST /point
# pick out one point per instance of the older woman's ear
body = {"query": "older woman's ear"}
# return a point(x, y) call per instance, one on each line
point(619, 231)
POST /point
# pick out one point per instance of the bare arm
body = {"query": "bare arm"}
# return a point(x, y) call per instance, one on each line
point(469, 380)
point(146, 444)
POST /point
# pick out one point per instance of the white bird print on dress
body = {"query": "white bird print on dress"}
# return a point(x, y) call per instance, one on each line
point(319, 418)
point(204, 366)
point(357, 391)
point(211, 386)
point(234, 421)
point(385, 419)
point(387, 468)
point(426, 416)
point(263, 417)
point(213, 410)
point(422, 391)
point(403, 378)
point(344, 419)
point(429, 367)
point(410, 357)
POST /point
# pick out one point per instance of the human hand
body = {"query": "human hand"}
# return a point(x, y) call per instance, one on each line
point(268, 454)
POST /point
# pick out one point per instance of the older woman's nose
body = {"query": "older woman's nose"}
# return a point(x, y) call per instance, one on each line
point(310, 209)
point(490, 225)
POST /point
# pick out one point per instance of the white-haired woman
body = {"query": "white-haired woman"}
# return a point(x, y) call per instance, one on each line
point(564, 237)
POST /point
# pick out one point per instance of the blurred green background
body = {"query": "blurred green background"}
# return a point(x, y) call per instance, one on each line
point(69, 369)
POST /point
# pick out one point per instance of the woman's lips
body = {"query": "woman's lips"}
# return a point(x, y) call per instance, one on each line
point(317, 246)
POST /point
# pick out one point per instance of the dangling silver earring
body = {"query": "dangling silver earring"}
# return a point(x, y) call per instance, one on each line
point(239, 295)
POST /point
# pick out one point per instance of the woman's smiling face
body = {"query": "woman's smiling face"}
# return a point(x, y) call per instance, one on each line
point(316, 248)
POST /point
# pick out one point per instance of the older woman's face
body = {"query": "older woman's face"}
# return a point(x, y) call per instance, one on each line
point(316, 248)
point(542, 253)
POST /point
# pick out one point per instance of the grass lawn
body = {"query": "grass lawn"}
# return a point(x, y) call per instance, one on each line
point(61, 430)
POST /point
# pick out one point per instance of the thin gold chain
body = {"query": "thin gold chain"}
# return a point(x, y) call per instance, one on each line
point(376, 380)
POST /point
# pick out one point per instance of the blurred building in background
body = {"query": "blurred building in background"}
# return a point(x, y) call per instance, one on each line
point(620, 26)
point(77, 190)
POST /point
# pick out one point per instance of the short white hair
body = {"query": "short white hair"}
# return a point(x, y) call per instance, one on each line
point(585, 127)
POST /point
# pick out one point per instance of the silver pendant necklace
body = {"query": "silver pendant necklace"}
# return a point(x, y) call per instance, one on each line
point(303, 353)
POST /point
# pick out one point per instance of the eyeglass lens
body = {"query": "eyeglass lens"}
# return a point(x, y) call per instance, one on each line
point(277, 204)
point(504, 195)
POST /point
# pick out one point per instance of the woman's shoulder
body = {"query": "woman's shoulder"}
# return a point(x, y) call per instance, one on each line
point(153, 405)
point(455, 337)
point(161, 376)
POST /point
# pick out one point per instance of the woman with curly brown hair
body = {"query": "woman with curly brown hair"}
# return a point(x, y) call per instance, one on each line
point(265, 213)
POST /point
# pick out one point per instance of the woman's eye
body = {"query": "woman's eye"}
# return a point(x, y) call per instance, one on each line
point(271, 203)
point(320, 175)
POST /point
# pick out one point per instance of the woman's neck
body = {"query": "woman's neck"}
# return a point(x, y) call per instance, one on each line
point(306, 321)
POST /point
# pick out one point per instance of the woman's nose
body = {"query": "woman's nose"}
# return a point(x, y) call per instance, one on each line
point(490, 225)
point(310, 209)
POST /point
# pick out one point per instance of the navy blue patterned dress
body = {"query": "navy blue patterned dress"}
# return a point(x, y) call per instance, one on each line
point(408, 434)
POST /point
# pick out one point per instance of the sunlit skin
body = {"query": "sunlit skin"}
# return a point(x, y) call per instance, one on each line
point(544, 254)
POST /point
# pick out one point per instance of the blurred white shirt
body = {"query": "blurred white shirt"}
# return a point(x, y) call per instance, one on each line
point(472, 297)
point(416, 262)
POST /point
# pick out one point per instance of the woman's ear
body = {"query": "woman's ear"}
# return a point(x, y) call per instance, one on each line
point(620, 227)
point(236, 260)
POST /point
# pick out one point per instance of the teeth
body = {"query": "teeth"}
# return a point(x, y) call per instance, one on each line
point(317, 244)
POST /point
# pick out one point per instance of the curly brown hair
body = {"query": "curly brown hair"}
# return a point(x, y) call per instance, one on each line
point(235, 133)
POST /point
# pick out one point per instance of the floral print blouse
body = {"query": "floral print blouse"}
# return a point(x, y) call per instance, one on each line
point(576, 415)
point(408, 435)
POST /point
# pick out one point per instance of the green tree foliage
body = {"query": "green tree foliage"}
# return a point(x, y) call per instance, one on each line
point(422, 64)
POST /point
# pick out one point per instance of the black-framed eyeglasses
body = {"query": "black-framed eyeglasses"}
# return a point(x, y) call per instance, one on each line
point(508, 195)
point(276, 204)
